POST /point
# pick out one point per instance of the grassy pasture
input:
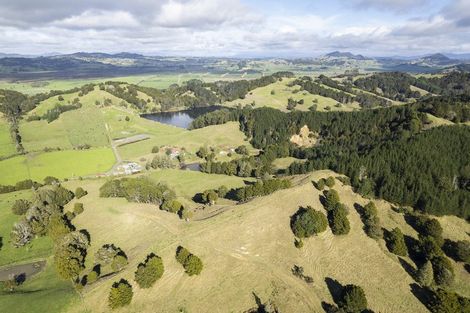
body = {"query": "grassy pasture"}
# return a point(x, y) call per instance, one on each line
point(246, 249)
point(61, 164)
point(282, 92)
point(227, 135)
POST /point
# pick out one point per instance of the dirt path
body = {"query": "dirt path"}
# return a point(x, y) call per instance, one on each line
point(28, 270)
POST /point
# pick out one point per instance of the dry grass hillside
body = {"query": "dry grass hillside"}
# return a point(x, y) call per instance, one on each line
point(249, 250)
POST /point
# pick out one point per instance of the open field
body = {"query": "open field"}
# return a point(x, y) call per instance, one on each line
point(158, 80)
point(60, 164)
point(282, 92)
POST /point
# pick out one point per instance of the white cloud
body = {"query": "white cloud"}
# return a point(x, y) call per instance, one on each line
point(99, 20)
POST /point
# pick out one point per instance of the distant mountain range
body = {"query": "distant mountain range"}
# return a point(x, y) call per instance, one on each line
point(84, 64)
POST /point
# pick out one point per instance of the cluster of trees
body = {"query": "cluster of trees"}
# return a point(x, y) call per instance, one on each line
point(218, 117)
point(445, 301)
point(337, 213)
point(54, 113)
point(322, 182)
point(142, 190)
point(452, 108)
point(191, 263)
point(162, 162)
point(307, 222)
point(261, 188)
point(393, 85)
point(42, 216)
point(307, 84)
point(111, 259)
point(128, 94)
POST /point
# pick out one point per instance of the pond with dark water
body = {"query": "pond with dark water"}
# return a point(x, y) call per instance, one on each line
point(180, 119)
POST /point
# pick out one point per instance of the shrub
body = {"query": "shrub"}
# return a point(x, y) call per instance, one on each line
point(210, 197)
point(50, 180)
point(162, 162)
point(330, 181)
point(298, 243)
point(222, 191)
point(185, 214)
point(352, 299)
point(320, 185)
point(443, 271)
point(155, 149)
point(172, 206)
point(20, 206)
point(80, 192)
point(458, 250)
point(308, 222)
point(119, 262)
point(92, 277)
point(149, 271)
point(243, 150)
point(396, 242)
point(191, 263)
point(78, 208)
point(120, 295)
point(338, 220)
point(24, 184)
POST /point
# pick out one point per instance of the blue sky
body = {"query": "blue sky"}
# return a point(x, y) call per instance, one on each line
point(236, 27)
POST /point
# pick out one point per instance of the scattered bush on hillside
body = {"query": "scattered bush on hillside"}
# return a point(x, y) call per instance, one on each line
point(371, 221)
point(352, 299)
point(443, 271)
point(330, 182)
point(458, 250)
point(162, 162)
point(209, 197)
point(80, 192)
point(320, 184)
point(149, 271)
point(425, 274)
point(396, 242)
point(444, 301)
point(120, 294)
point(338, 220)
point(50, 180)
point(243, 150)
point(78, 208)
point(191, 263)
point(111, 256)
point(331, 199)
point(298, 271)
point(307, 222)
point(222, 191)
point(20, 206)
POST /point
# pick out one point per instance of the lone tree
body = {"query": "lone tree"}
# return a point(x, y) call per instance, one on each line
point(120, 295)
point(21, 234)
point(308, 222)
point(352, 299)
point(396, 242)
point(149, 271)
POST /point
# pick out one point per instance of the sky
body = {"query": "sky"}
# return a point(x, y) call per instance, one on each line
point(235, 28)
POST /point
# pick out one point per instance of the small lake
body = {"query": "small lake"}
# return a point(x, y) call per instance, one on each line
point(180, 119)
